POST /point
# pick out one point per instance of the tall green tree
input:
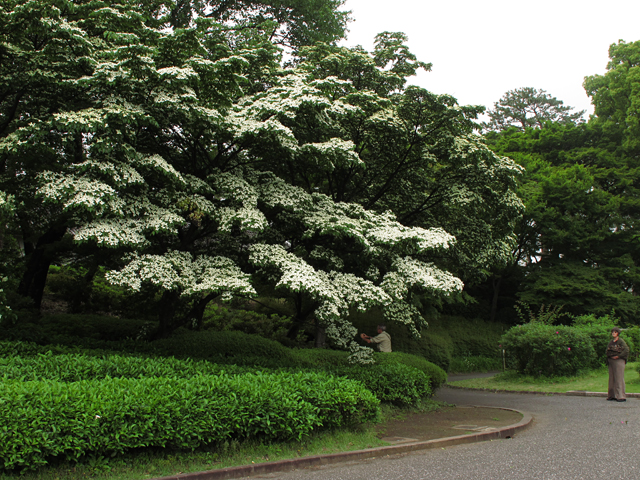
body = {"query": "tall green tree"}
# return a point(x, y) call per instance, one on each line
point(616, 98)
point(529, 108)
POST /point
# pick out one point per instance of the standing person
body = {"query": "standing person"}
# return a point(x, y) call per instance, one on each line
point(617, 355)
point(383, 339)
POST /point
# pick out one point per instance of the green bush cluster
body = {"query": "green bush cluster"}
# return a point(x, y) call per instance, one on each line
point(90, 331)
point(391, 383)
point(230, 347)
point(538, 349)
point(68, 419)
point(475, 364)
point(437, 376)
point(329, 359)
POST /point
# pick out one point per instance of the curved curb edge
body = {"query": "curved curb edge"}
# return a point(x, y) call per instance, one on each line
point(316, 460)
point(570, 393)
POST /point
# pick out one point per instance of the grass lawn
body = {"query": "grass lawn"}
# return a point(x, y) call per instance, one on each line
point(592, 381)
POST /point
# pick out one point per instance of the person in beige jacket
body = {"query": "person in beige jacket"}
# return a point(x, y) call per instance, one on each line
point(383, 339)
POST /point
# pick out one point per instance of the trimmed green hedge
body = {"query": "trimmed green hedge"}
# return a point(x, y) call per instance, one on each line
point(320, 357)
point(44, 419)
point(437, 376)
point(390, 384)
point(225, 347)
point(538, 349)
point(76, 368)
point(397, 384)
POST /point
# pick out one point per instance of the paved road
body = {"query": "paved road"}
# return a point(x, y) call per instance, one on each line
point(571, 438)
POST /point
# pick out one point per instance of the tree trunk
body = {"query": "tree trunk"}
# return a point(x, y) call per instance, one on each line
point(197, 312)
point(35, 277)
point(494, 302)
point(168, 306)
point(321, 336)
point(85, 286)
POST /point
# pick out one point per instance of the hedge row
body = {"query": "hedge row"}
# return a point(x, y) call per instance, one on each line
point(71, 364)
point(78, 367)
point(538, 349)
point(390, 381)
point(45, 419)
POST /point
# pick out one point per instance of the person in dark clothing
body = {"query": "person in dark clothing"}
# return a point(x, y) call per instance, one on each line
point(617, 355)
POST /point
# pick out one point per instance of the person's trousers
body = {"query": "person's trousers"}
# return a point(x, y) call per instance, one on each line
point(616, 378)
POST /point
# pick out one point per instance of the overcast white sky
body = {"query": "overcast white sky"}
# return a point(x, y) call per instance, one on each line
point(481, 49)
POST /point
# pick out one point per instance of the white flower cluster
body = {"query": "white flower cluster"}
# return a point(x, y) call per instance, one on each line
point(370, 228)
point(404, 313)
point(179, 271)
point(160, 165)
point(111, 233)
point(261, 114)
point(78, 193)
point(247, 216)
point(335, 292)
point(275, 192)
point(409, 273)
point(334, 151)
point(360, 355)
point(121, 175)
point(6, 203)
point(138, 217)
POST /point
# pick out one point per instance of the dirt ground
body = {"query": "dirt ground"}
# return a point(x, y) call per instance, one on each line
point(445, 422)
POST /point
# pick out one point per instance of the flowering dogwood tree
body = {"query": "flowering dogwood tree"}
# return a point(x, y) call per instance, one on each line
point(204, 169)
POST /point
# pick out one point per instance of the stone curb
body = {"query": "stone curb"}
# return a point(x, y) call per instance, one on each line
point(570, 393)
point(316, 460)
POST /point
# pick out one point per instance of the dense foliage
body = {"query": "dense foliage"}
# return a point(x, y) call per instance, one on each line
point(166, 144)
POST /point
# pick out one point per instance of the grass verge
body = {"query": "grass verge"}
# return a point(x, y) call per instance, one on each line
point(592, 381)
point(151, 463)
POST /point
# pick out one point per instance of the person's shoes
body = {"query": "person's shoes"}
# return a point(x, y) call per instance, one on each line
point(621, 400)
point(610, 399)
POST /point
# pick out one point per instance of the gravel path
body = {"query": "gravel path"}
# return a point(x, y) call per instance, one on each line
point(571, 438)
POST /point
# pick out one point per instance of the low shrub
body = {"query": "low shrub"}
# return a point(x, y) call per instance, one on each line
point(320, 357)
point(538, 349)
point(437, 376)
point(432, 347)
point(47, 419)
point(230, 347)
point(474, 364)
point(632, 337)
point(600, 336)
point(336, 361)
point(98, 327)
point(391, 383)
